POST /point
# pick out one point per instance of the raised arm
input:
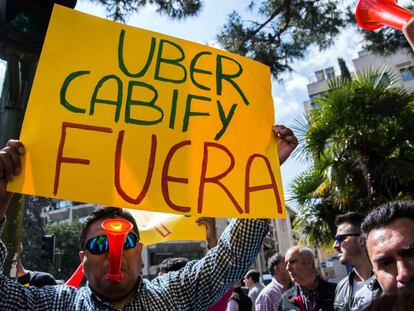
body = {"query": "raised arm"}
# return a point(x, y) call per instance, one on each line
point(286, 142)
point(211, 234)
point(10, 166)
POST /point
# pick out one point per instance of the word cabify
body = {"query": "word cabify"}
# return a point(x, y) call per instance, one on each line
point(163, 65)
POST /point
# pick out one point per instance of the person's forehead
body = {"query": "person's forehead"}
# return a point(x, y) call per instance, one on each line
point(96, 229)
point(389, 240)
point(292, 255)
point(346, 228)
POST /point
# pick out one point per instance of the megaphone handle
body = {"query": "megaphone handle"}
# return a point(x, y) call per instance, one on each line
point(408, 31)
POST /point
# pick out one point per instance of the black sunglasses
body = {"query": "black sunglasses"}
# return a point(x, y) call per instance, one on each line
point(99, 244)
point(341, 237)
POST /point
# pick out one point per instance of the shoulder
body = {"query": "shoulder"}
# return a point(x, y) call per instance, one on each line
point(40, 279)
point(326, 286)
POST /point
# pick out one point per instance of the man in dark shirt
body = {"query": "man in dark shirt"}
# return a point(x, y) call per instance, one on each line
point(32, 278)
point(195, 287)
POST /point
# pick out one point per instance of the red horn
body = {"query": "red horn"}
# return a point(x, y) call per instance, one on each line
point(374, 14)
point(116, 230)
point(76, 277)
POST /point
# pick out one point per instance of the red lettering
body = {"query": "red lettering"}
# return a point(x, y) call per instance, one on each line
point(215, 179)
point(61, 159)
point(118, 153)
point(249, 189)
point(167, 178)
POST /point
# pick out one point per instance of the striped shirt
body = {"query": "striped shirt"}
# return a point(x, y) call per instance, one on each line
point(195, 287)
point(270, 297)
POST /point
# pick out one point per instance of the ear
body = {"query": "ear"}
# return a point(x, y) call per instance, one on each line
point(81, 256)
point(139, 249)
point(362, 242)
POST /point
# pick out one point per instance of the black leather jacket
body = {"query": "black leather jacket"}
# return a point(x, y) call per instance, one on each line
point(343, 291)
point(323, 300)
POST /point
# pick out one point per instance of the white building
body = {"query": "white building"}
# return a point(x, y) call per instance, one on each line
point(400, 63)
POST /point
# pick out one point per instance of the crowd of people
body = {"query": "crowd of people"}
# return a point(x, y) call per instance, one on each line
point(378, 247)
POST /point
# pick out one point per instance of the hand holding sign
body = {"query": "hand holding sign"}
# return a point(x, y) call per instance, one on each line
point(126, 117)
point(9, 166)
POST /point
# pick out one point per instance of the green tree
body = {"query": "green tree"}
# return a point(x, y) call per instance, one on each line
point(281, 30)
point(360, 137)
point(120, 10)
point(33, 230)
point(66, 248)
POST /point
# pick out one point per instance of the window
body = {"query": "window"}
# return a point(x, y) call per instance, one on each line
point(407, 73)
point(320, 75)
point(330, 73)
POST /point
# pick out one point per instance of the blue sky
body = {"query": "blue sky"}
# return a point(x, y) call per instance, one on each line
point(288, 96)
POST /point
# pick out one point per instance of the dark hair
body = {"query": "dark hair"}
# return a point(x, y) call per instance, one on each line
point(254, 274)
point(352, 218)
point(172, 264)
point(273, 262)
point(386, 213)
point(105, 213)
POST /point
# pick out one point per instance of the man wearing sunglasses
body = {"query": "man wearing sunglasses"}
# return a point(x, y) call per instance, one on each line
point(360, 287)
point(197, 286)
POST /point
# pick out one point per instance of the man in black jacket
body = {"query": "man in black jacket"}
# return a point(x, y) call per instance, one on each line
point(360, 287)
point(309, 292)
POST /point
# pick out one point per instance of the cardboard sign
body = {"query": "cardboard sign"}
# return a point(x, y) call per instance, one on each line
point(160, 227)
point(131, 118)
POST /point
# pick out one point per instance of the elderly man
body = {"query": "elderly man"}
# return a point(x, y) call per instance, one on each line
point(360, 287)
point(196, 287)
point(389, 230)
point(270, 296)
point(309, 291)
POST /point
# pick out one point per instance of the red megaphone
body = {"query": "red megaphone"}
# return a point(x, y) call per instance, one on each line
point(374, 14)
point(116, 231)
point(76, 277)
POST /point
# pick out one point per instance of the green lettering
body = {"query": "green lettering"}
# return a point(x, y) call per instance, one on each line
point(189, 113)
point(63, 101)
point(117, 102)
point(173, 62)
point(121, 62)
point(225, 120)
point(220, 76)
point(197, 70)
point(173, 109)
point(150, 104)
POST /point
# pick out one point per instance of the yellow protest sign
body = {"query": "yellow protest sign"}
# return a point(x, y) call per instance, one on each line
point(161, 227)
point(127, 117)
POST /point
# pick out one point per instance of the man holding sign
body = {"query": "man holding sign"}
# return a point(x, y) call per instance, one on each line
point(196, 287)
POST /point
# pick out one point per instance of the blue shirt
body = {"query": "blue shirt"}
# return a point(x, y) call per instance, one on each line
point(195, 287)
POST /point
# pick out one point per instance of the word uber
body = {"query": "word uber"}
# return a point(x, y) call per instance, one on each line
point(163, 66)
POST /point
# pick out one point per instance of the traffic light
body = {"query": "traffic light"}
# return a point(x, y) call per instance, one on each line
point(47, 251)
point(23, 24)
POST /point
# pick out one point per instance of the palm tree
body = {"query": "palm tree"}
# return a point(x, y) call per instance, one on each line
point(360, 137)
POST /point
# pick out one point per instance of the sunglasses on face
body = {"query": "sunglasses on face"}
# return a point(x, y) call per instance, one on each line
point(99, 244)
point(339, 238)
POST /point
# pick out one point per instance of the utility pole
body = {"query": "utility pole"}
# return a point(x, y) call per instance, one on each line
point(23, 25)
